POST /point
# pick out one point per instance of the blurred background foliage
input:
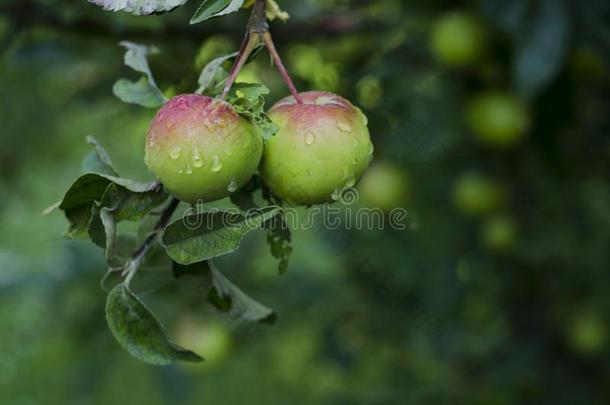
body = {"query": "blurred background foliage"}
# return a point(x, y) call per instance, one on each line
point(490, 120)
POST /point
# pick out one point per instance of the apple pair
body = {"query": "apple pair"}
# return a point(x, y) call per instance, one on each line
point(202, 150)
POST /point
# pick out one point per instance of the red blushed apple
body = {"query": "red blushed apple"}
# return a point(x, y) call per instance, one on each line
point(322, 148)
point(201, 149)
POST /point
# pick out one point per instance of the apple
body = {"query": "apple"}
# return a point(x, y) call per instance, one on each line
point(457, 39)
point(497, 119)
point(201, 149)
point(499, 233)
point(322, 148)
point(384, 186)
point(212, 340)
point(588, 333)
point(475, 194)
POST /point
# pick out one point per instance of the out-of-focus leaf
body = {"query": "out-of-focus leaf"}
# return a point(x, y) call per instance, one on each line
point(137, 329)
point(215, 8)
point(136, 57)
point(139, 7)
point(228, 298)
point(140, 93)
point(98, 160)
point(211, 71)
point(202, 236)
point(542, 48)
point(143, 92)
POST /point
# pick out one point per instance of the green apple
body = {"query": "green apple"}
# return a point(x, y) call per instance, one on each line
point(588, 333)
point(201, 149)
point(497, 119)
point(384, 186)
point(322, 148)
point(457, 39)
point(212, 340)
point(499, 233)
point(475, 194)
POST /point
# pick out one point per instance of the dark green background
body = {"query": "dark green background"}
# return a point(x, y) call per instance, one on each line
point(423, 316)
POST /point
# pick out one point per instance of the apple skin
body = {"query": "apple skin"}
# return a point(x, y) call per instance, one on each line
point(322, 148)
point(457, 39)
point(201, 149)
point(497, 119)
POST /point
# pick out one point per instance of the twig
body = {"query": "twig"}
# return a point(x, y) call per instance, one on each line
point(280, 66)
point(139, 255)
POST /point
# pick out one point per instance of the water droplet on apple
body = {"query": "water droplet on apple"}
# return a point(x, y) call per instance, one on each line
point(344, 126)
point(336, 195)
point(189, 170)
point(228, 152)
point(174, 154)
point(180, 171)
point(216, 164)
point(310, 173)
point(349, 183)
point(310, 137)
point(197, 160)
point(232, 186)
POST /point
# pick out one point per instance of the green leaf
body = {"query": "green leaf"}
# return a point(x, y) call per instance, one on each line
point(202, 236)
point(78, 202)
point(212, 71)
point(542, 48)
point(136, 57)
point(141, 93)
point(279, 239)
point(98, 160)
point(213, 74)
point(119, 204)
point(144, 92)
point(137, 329)
point(139, 7)
point(215, 8)
point(248, 100)
point(228, 298)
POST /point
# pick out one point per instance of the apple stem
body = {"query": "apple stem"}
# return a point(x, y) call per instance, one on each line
point(248, 45)
point(280, 66)
point(257, 28)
